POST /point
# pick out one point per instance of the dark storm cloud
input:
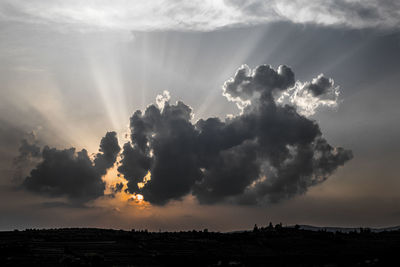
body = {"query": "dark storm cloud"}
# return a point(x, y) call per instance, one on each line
point(28, 156)
point(165, 142)
point(116, 188)
point(321, 85)
point(267, 153)
point(109, 150)
point(263, 81)
point(73, 175)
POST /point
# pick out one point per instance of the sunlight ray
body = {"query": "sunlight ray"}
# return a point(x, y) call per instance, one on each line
point(236, 60)
point(106, 74)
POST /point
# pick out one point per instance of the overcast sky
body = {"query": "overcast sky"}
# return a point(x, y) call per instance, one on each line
point(230, 154)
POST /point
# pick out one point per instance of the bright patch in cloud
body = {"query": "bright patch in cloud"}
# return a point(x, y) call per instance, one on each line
point(145, 180)
point(309, 96)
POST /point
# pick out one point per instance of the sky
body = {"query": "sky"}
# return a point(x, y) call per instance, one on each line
point(180, 115)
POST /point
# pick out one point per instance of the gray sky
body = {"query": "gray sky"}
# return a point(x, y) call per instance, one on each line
point(71, 72)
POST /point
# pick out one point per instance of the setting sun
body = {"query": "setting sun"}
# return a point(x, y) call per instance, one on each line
point(139, 197)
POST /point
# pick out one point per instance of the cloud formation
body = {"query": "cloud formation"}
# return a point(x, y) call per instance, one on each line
point(29, 154)
point(267, 153)
point(71, 174)
point(199, 15)
point(309, 96)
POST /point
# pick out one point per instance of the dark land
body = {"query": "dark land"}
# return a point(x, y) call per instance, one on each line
point(265, 246)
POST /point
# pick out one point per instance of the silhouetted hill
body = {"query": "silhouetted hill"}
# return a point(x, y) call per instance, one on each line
point(264, 246)
point(347, 229)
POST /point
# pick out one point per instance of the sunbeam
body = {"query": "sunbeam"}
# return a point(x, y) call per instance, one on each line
point(103, 61)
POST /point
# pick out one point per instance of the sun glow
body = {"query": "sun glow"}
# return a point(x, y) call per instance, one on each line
point(138, 200)
point(122, 197)
point(139, 197)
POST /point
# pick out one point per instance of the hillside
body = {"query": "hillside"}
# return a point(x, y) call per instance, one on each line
point(264, 246)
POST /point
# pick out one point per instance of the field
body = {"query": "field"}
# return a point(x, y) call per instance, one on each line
point(270, 246)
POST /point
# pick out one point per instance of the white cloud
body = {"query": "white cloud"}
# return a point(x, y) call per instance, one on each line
point(199, 15)
point(305, 101)
point(162, 99)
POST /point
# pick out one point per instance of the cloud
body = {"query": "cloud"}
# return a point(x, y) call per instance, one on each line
point(309, 96)
point(199, 15)
point(29, 153)
point(246, 86)
point(347, 13)
point(115, 189)
point(162, 99)
point(107, 156)
point(65, 173)
point(164, 141)
point(27, 150)
point(267, 153)
point(320, 85)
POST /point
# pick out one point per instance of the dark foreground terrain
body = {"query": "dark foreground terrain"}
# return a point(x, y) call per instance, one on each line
point(270, 246)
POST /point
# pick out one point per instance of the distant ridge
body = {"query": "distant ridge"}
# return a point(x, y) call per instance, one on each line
point(347, 229)
point(306, 227)
point(334, 229)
